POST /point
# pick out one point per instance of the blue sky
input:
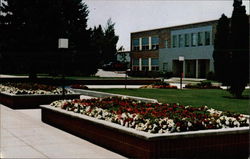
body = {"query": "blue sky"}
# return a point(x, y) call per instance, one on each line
point(136, 15)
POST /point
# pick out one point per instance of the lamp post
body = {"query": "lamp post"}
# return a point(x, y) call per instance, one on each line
point(181, 59)
point(63, 43)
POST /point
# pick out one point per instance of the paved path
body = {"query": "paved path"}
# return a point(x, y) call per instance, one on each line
point(102, 73)
point(23, 135)
point(113, 86)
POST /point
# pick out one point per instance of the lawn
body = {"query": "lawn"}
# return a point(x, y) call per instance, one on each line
point(217, 99)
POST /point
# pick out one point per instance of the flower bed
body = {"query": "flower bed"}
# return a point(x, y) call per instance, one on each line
point(152, 130)
point(30, 88)
point(79, 86)
point(31, 95)
point(160, 84)
point(153, 117)
point(202, 85)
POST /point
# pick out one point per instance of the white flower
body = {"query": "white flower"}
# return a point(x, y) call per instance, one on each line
point(178, 129)
point(236, 123)
point(189, 124)
point(126, 124)
point(88, 108)
point(124, 116)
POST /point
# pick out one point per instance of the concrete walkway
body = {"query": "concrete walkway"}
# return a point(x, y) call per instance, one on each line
point(23, 135)
point(102, 73)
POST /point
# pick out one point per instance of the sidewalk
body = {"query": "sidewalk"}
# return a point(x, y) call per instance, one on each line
point(23, 135)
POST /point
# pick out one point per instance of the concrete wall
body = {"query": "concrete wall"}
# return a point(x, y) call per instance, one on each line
point(167, 55)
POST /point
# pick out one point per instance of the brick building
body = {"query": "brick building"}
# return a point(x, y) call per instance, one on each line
point(160, 49)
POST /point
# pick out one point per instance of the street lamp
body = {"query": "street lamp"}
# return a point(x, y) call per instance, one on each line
point(63, 43)
point(181, 59)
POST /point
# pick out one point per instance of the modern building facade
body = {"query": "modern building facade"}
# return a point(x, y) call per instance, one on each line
point(185, 48)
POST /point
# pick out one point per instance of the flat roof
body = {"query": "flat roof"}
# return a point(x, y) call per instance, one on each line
point(175, 26)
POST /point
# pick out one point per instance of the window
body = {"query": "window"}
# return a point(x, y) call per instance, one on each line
point(165, 67)
point(135, 61)
point(187, 41)
point(155, 43)
point(155, 68)
point(174, 40)
point(145, 44)
point(155, 61)
point(135, 44)
point(144, 62)
point(194, 39)
point(166, 44)
point(181, 41)
point(207, 38)
point(200, 38)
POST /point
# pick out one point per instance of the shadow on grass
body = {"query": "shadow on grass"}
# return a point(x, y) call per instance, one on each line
point(243, 97)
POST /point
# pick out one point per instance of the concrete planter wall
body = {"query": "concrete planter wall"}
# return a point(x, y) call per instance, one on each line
point(104, 94)
point(59, 82)
point(30, 101)
point(229, 143)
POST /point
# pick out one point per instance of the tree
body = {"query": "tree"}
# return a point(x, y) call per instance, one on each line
point(31, 30)
point(221, 51)
point(97, 38)
point(239, 42)
point(231, 54)
point(110, 41)
point(105, 42)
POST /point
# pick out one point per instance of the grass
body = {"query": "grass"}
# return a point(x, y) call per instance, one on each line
point(213, 98)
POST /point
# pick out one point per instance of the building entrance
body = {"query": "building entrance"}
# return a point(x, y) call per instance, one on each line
point(177, 68)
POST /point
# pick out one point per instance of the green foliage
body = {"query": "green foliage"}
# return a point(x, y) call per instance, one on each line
point(104, 41)
point(161, 83)
point(211, 76)
point(30, 31)
point(221, 53)
point(239, 43)
point(231, 50)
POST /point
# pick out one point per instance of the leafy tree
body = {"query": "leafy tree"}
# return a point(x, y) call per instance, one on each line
point(221, 53)
point(239, 43)
point(30, 31)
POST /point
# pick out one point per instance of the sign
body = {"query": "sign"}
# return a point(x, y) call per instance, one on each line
point(181, 58)
point(63, 43)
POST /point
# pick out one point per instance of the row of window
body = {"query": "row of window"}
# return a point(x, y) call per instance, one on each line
point(145, 62)
point(145, 43)
point(193, 39)
point(181, 40)
point(144, 68)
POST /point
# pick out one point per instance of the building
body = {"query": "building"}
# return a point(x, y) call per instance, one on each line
point(164, 49)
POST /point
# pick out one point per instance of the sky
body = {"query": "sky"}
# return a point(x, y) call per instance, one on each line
point(138, 15)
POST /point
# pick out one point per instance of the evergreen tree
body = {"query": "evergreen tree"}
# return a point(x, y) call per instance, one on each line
point(221, 52)
point(97, 38)
point(110, 41)
point(231, 50)
point(239, 43)
point(33, 27)
point(105, 42)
